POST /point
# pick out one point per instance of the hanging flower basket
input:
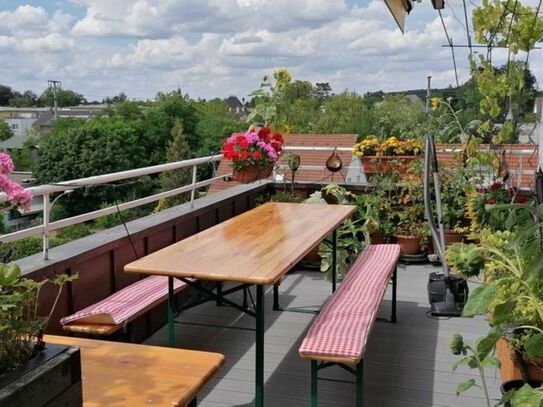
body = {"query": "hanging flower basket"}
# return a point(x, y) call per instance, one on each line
point(252, 173)
point(253, 154)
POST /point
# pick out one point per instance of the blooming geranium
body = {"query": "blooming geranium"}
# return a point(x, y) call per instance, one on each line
point(260, 149)
point(14, 195)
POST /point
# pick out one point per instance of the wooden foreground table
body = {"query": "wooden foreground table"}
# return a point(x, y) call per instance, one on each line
point(123, 374)
point(257, 248)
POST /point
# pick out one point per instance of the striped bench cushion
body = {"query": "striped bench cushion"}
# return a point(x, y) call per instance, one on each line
point(342, 328)
point(118, 308)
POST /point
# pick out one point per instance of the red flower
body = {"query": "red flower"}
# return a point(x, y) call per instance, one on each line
point(240, 138)
point(244, 155)
point(243, 143)
point(481, 190)
point(490, 201)
point(264, 132)
point(521, 199)
point(278, 137)
point(235, 155)
point(495, 186)
point(256, 155)
point(276, 146)
point(228, 147)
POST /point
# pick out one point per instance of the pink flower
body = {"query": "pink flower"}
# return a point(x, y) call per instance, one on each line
point(16, 194)
point(6, 164)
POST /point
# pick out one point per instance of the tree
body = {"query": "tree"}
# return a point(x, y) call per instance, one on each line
point(26, 99)
point(65, 98)
point(5, 131)
point(398, 116)
point(322, 90)
point(120, 98)
point(5, 95)
point(78, 149)
point(178, 149)
point(345, 113)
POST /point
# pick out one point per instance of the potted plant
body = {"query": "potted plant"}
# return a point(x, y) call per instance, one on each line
point(511, 295)
point(391, 155)
point(253, 154)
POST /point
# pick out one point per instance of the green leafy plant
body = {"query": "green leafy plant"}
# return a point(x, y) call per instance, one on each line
point(21, 328)
point(477, 357)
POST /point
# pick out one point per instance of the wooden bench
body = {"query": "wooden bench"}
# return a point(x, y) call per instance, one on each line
point(339, 334)
point(119, 309)
point(122, 374)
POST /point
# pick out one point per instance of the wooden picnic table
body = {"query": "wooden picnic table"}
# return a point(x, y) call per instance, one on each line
point(257, 248)
point(123, 374)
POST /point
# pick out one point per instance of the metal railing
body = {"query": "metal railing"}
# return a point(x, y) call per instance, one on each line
point(47, 190)
point(67, 186)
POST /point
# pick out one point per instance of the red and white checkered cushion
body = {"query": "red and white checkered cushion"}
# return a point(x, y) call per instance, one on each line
point(121, 306)
point(342, 328)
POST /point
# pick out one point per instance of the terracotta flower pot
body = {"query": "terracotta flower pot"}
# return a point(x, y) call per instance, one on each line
point(252, 173)
point(378, 238)
point(386, 164)
point(409, 245)
point(453, 237)
point(510, 368)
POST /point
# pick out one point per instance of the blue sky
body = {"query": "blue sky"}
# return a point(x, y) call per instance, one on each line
point(214, 48)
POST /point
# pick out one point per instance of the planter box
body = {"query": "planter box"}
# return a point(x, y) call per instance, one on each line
point(510, 369)
point(52, 378)
point(386, 164)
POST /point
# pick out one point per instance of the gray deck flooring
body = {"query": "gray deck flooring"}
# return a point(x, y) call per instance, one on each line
point(407, 364)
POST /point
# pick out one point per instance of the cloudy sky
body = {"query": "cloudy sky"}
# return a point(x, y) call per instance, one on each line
point(212, 48)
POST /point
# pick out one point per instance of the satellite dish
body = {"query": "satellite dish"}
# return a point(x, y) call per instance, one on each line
point(399, 10)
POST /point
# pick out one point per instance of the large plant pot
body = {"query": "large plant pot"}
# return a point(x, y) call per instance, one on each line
point(409, 245)
point(453, 237)
point(386, 164)
point(252, 173)
point(52, 378)
point(511, 367)
point(378, 238)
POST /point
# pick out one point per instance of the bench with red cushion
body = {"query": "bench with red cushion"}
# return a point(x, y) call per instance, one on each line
point(340, 332)
point(116, 311)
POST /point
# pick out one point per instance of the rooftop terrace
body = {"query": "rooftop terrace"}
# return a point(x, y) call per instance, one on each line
point(408, 364)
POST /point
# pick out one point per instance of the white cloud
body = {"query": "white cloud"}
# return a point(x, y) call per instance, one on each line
point(221, 47)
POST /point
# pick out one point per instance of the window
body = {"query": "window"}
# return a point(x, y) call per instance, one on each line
point(14, 126)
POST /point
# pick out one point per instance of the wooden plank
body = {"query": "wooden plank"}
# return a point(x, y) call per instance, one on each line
point(256, 247)
point(120, 374)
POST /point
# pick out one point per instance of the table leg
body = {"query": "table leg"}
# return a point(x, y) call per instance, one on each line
point(334, 259)
point(259, 371)
point(171, 313)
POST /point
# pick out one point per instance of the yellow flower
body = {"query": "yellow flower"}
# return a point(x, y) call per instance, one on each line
point(435, 103)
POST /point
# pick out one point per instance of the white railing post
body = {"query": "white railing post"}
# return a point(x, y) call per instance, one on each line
point(193, 190)
point(46, 207)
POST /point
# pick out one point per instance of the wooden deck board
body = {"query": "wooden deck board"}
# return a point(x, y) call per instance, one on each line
point(408, 364)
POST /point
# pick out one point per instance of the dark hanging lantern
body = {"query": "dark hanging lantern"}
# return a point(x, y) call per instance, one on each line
point(539, 186)
point(334, 163)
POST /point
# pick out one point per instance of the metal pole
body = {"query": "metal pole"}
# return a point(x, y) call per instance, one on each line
point(193, 190)
point(334, 260)
point(171, 313)
point(360, 384)
point(46, 209)
point(314, 384)
point(259, 371)
point(428, 94)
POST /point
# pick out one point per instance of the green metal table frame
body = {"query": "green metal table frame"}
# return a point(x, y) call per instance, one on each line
point(219, 297)
point(304, 310)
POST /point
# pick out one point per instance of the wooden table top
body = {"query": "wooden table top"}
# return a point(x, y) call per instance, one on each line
point(257, 247)
point(124, 374)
